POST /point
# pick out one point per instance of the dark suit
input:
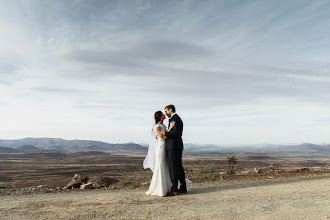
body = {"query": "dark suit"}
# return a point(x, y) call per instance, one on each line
point(174, 147)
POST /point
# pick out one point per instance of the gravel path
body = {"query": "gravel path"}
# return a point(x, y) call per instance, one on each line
point(295, 199)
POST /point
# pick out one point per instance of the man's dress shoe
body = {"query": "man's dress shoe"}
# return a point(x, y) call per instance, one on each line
point(173, 194)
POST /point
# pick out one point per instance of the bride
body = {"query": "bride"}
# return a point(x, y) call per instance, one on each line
point(156, 159)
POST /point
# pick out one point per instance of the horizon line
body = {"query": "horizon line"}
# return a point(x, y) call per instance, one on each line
point(200, 144)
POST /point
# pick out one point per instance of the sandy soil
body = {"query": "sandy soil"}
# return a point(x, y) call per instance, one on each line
point(307, 198)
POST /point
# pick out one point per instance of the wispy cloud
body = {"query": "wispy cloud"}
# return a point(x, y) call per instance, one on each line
point(110, 64)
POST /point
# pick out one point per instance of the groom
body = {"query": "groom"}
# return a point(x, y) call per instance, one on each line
point(174, 147)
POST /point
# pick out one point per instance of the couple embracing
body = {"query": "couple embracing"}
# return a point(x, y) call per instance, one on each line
point(165, 156)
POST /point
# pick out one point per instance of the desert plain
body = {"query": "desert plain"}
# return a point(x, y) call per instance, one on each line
point(289, 187)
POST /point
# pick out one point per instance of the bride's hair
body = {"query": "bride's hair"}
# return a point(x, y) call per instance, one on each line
point(158, 116)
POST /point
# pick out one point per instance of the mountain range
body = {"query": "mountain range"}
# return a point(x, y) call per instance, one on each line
point(304, 148)
point(33, 145)
point(49, 145)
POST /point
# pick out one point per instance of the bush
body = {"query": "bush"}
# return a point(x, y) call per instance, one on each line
point(231, 160)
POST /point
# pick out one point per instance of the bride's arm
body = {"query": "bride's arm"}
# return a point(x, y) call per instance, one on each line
point(160, 132)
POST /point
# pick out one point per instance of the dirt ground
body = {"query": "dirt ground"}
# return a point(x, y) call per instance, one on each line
point(305, 197)
point(56, 169)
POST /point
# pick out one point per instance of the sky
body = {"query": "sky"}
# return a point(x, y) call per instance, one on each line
point(238, 72)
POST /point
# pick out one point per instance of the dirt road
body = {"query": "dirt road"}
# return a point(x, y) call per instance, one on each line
point(295, 199)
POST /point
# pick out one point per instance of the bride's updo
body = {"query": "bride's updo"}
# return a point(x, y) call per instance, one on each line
point(158, 116)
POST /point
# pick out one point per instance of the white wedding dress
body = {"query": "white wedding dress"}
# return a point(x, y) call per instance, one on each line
point(160, 183)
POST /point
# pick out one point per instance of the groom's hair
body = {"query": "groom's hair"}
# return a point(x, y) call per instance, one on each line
point(170, 107)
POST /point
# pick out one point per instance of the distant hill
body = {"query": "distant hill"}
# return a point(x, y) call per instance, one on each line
point(89, 148)
point(306, 148)
point(6, 150)
point(87, 153)
point(29, 149)
point(45, 142)
point(58, 148)
point(110, 147)
point(127, 147)
point(37, 145)
point(24, 149)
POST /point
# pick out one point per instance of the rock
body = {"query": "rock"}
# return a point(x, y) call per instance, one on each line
point(75, 182)
point(84, 180)
point(87, 186)
point(76, 178)
point(103, 181)
point(257, 170)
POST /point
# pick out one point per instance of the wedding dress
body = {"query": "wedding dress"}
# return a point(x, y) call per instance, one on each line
point(160, 183)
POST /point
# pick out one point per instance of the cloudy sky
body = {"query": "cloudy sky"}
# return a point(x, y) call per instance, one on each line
point(238, 72)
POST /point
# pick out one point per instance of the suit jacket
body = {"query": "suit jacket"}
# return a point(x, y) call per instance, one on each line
point(174, 137)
